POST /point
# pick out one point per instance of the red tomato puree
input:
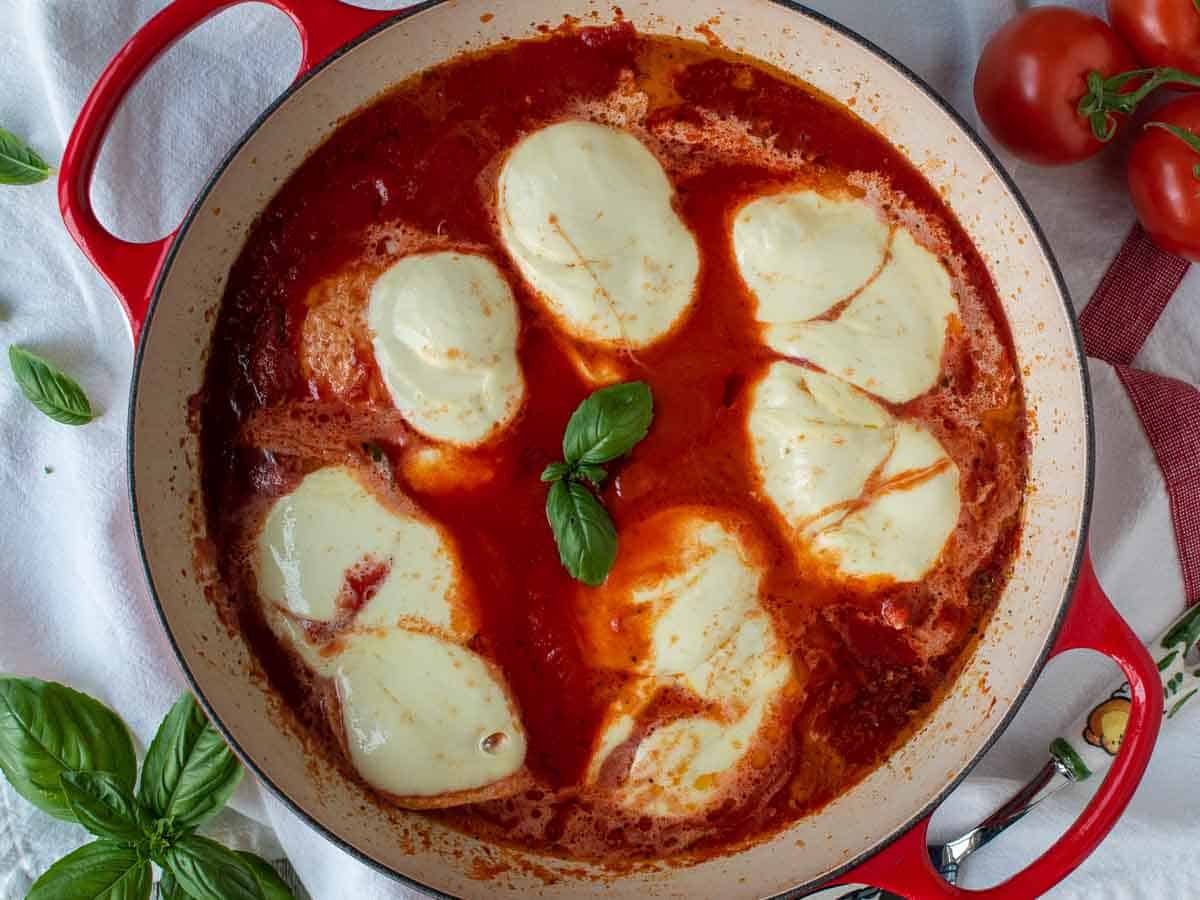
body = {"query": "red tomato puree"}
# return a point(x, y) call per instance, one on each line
point(292, 386)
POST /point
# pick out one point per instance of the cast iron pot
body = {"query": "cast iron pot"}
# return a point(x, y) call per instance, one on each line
point(876, 832)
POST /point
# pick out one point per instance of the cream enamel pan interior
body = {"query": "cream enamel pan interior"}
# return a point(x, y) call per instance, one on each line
point(164, 450)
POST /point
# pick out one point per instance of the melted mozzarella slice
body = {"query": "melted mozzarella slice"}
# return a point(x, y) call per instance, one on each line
point(751, 665)
point(800, 252)
point(816, 439)
point(802, 255)
point(680, 609)
point(877, 494)
point(690, 765)
point(330, 531)
point(585, 211)
point(444, 328)
point(687, 766)
point(679, 590)
point(889, 339)
point(425, 717)
point(901, 532)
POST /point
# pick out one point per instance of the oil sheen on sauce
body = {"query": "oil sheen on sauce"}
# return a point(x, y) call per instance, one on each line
point(417, 170)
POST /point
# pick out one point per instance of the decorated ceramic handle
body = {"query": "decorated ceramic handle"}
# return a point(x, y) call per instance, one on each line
point(1090, 745)
point(131, 268)
point(904, 867)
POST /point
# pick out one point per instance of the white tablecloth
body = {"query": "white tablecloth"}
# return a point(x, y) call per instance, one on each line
point(74, 606)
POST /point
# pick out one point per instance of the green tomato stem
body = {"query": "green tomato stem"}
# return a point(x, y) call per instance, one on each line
point(1188, 137)
point(1106, 97)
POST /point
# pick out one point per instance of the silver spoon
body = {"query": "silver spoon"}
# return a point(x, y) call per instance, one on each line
point(1089, 748)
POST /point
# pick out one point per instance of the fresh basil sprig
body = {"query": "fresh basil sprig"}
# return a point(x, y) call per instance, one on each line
point(47, 729)
point(204, 870)
point(269, 882)
point(19, 164)
point(189, 773)
point(607, 425)
point(583, 530)
point(102, 805)
point(48, 388)
point(103, 870)
point(71, 756)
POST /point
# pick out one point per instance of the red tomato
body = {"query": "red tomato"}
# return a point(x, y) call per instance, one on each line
point(1163, 182)
point(1032, 75)
point(1161, 32)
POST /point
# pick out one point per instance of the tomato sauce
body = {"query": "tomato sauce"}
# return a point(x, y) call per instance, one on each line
point(422, 160)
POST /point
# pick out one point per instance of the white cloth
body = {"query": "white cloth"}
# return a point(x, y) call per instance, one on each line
point(74, 606)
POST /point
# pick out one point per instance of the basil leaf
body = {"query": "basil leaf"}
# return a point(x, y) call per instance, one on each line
point(594, 474)
point(586, 538)
point(556, 471)
point(45, 386)
point(18, 163)
point(47, 729)
point(102, 805)
point(169, 889)
point(269, 882)
point(189, 772)
point(101, 870)
point(207, 871)
point(608, 424)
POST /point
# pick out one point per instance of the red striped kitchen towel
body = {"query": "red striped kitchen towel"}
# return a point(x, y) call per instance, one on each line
point(1115, 324)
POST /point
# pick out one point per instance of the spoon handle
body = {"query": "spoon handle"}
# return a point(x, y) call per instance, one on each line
point(948, 857)
point(1090, 745)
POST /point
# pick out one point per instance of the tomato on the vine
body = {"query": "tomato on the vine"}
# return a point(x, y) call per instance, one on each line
point(1161, 32)
point(1164, 177)
point(1032, 75)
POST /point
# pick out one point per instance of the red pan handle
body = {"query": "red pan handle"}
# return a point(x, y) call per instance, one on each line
point(1092, 623)
point(131, 268)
